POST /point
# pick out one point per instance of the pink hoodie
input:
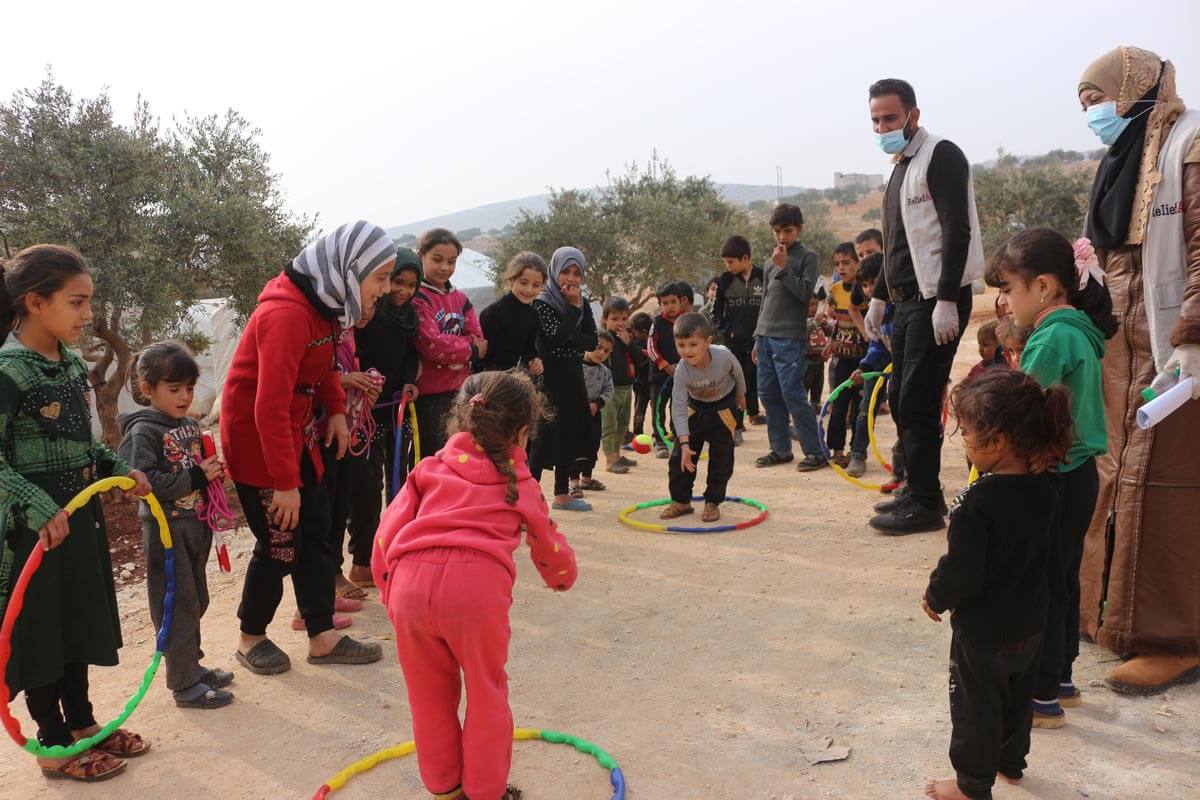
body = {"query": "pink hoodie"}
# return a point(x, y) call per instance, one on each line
point(447, 321)
point(457, 499)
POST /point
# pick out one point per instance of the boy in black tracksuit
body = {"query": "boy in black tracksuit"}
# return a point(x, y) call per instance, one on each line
point(640, 327)
point(663, 355)
point(735, 314)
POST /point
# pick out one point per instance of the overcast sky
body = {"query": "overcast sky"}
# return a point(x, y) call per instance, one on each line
point(404, 110)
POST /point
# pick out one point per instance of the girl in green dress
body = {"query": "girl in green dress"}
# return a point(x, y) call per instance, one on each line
point(47, 455)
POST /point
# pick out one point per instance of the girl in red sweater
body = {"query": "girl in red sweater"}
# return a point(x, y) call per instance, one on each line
point(444, 564)
point(283, 365)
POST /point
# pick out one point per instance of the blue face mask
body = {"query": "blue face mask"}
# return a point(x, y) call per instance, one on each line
point(1105, 123)
point(893, 142)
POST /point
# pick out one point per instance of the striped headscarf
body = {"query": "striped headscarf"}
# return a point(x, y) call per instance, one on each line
point(340, 261)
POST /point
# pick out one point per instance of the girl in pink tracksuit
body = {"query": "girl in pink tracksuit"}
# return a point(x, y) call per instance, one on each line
point(448, 336)
point(444, 563)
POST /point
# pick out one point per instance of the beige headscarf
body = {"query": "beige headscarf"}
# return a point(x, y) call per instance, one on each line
point(1126, 74)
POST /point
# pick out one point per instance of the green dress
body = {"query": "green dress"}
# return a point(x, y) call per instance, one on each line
point(47, 455)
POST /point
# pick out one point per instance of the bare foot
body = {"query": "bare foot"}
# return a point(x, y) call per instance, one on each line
point(359, 574)
point(246, 642)
point(945, 790)
point(323, 643)
point(342, 582)
point(1000, 776)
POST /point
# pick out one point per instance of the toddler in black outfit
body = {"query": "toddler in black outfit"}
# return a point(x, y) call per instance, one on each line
point(993, 576)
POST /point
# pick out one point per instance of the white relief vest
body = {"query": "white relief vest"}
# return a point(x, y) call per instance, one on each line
point(921, 225)
point(1164, 253)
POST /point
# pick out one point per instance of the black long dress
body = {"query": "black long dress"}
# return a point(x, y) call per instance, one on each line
point(561, 343)
point(511, 330)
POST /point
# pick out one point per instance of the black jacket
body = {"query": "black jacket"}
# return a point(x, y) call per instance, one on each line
point(510, 328)
point(735, 311)
point(383, 346)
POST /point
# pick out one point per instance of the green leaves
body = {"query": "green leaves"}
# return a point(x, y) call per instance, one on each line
point(1012, 195)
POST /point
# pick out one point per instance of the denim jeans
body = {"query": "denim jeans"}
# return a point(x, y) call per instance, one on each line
point(861, 439)
point(782, 394)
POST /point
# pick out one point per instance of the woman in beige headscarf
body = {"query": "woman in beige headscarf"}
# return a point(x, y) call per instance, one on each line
point(1140, 574)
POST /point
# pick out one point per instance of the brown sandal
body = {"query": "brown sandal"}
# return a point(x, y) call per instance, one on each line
point(124, 744)
point(712, 513)
point(675, 510)
point(353, 592)
point(90, 767)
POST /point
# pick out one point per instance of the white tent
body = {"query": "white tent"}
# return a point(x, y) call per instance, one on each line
point(474, 277)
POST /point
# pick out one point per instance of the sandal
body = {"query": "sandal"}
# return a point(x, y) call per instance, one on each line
point(265, 658)
point(90, 767)
point(574, 504)
point(346, 605)
point(123, 744)
point(676, 510)
point(772, 458)
point(592, 485)
point(712, 513)
point(217, 678)
point(576, 492)
point(353, 591)
point(203, 696)
point(348, 651)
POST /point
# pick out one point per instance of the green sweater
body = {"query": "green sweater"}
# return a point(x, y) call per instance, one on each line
point(1066, 347)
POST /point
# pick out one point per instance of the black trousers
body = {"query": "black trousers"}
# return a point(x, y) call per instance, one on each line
point(367, 484)
point(61, 707)
point(432, 411)
point(715, 428)
point(641, 401)
point(750, 371)
point(814, 382)
point(991, 710)
point(843, 411)
point(920, 370)
point(304, 553)
point(1078, 490)
point(352, 493)
point(587, 465)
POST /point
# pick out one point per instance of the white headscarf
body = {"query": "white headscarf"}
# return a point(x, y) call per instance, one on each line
point(338, 263)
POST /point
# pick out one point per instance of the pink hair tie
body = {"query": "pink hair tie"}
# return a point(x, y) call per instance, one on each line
point(477, 400)
point(1087, 265)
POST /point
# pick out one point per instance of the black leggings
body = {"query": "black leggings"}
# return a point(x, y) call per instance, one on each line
point(61, 707)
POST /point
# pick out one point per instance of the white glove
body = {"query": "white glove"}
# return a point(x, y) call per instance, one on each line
point(945, 321)
point(874, 319)
point(1187, 359)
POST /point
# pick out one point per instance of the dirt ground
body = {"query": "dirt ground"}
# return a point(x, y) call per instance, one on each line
point(704, 664)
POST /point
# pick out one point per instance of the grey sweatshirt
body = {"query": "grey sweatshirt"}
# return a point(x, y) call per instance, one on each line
point(708, 385)
point(786, 293)
point(169, 451)
point(598, 378)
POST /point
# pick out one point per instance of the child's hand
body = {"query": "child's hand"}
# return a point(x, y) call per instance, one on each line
point(55, 531)
point(827, 351)
point(358, 380)
point(284, 509)
point(214, 470)
point(741, 402)
point(929, 611)
point(670, 369)
point(594, 408)
point(622, 334)
point(857, 377)
point(686, 458)
point(481, 345)
point(779, 256)
point(573, 294)
point(536, 367)
point(337, 430)
point(141, 486)
point(411, 392)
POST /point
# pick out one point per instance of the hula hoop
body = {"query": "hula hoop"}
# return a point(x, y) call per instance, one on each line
point(879, 384)
point(662, 434)
point(659, 528)
point(874, 487)
point(519, 734)
point(416, 431)
point(397, 449)
point(17, 600)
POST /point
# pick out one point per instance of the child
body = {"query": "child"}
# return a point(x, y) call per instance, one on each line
point(160, 442)
point(710, 299)
point(876, 359)
point(640, 325)
point(509, 325)
point(448, 336)
point(282, 368)
point(848, 346)
point(709, 388)
point(816, 353)
point(1040, 279)
point(566, 330)
point(47, 456)
point(387, 344)
point(444, 565)
point(988, 345)
point(627, 356)
point(663, 356)
point(599, 381)
point(867, 243)
point(687, 298)
point(1013, 338)
point(735, 313)
point(993, 575)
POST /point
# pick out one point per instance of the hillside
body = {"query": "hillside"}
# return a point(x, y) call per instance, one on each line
point(495, 216)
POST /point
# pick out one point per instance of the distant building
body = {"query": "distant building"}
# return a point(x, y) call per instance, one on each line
point(857, 180)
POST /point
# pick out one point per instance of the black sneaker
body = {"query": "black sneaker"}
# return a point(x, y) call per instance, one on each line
point(811, 464)
point(888, 506)
point(908, 517)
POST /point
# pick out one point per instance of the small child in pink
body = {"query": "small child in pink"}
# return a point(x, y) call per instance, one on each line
point(444, 564)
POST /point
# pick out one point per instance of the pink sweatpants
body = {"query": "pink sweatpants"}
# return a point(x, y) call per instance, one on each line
point(449, 607)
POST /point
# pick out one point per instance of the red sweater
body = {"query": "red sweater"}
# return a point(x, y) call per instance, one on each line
point(457, 499)
point(283, 364)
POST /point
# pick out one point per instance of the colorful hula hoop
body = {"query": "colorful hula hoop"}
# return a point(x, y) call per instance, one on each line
point(416, 431)
point(884, 377)
point(17, 600)
point(659, 528)
point(874, 487)
point(520, 734)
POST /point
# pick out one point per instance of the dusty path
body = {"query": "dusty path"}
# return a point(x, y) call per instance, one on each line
point(702, 663)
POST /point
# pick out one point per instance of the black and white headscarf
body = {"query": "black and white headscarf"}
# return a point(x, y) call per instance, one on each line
point(338, 263)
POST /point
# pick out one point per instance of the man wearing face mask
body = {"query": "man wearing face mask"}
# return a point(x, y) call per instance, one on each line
point(932, 252)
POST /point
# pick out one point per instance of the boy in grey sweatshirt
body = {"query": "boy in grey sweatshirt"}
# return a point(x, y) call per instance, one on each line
point(598, 378)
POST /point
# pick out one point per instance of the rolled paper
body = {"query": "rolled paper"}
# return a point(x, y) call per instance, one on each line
point(1165, 404)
